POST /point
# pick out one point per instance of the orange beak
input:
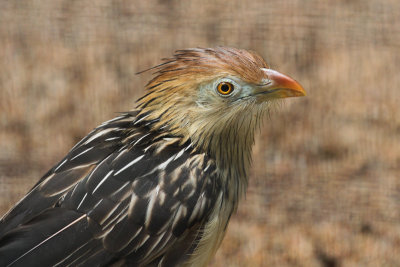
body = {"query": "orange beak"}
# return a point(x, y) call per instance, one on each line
point(280, 86)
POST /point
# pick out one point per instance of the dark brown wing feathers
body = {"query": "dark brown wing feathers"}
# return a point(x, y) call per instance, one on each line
point(122, 193)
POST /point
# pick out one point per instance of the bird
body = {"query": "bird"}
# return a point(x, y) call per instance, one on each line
point(158, 184)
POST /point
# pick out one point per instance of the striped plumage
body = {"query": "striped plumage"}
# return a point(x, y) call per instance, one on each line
point(155, 186)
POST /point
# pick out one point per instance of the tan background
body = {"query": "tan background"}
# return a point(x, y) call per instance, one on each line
point(325, 183)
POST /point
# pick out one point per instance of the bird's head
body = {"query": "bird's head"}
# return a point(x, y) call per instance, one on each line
point(214, 97)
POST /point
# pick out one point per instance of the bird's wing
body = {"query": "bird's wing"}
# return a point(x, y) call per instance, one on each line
point(80, 161)
point(138, 201)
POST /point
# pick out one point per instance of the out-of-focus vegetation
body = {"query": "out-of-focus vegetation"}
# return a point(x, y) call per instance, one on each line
point(325, 183)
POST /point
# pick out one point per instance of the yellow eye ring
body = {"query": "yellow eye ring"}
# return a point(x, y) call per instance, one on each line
point(225, 88)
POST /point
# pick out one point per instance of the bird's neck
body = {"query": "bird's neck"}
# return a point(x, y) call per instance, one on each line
point(231, 150)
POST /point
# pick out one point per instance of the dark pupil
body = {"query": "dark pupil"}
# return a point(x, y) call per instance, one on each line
point(225, 88)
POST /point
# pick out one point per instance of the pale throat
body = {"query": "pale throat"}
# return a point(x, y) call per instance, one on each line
point(229, 141)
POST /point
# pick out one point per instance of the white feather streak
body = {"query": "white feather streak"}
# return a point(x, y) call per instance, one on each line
point(83, 152)
point(102, 181)
point(129, 165)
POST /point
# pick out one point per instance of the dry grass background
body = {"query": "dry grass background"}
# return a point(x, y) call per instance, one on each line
point(325, 183)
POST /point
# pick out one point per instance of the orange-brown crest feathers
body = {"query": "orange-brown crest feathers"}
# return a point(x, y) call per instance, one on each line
point(205, 63)
point(192, 66)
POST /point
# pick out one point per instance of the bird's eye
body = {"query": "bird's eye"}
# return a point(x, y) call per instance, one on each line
point(225, 88)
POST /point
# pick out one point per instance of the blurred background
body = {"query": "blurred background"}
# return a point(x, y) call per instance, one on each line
point(325, 183)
